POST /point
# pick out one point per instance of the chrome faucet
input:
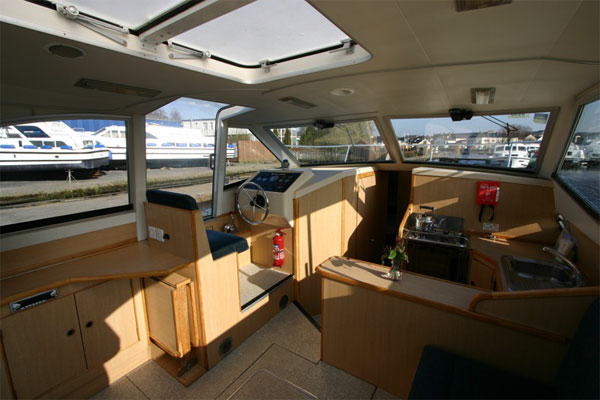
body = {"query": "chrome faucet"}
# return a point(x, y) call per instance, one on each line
point(566, 261)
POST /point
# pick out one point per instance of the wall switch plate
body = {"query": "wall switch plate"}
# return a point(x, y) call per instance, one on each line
point(156, 233)
point(488, 226)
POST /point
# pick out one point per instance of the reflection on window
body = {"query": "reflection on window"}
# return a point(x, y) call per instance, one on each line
point(494, 141)
point(579, 169)
point(348, 142)
point(58, 171)
point(252, 156)
point(180, 142)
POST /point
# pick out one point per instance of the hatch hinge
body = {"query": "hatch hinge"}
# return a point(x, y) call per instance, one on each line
point(266, 65)
point(103, 28)
point(347, 46)
point(185, 52)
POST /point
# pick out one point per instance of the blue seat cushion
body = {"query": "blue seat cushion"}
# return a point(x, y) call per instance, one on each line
point(222, 243)
point(444, 375)
point(170, 199)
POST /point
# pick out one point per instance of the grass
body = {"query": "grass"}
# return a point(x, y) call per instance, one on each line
point(112, 188)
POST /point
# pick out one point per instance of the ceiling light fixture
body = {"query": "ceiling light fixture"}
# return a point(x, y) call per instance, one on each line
point(297, 102)
point(341, 92)
point(482, 95)
point(64, 50)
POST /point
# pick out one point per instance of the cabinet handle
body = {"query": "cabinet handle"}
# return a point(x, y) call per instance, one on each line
point(70, 332)
point(89, 324)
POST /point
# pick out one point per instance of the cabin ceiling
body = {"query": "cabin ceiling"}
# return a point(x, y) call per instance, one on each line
point(426, 58)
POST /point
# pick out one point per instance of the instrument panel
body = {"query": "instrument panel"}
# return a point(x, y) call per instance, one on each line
point(278, 182)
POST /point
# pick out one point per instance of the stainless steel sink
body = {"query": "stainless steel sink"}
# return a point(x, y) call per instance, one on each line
point(519, 273)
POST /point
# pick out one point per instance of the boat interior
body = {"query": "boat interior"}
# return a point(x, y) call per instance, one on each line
point(361, 229)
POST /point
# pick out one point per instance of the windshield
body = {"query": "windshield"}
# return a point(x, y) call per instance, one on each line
point(339, 143)
point(489, 141)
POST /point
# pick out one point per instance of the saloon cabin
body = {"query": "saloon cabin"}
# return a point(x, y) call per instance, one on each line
point(341, 133)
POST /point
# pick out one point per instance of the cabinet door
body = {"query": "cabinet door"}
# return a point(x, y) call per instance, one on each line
point(107, 320)
point(482, 275)
point(43, 346)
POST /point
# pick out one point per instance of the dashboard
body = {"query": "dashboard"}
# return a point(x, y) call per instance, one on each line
point(280, 187)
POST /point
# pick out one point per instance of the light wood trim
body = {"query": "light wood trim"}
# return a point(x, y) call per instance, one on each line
point(131, 261)
point(56, 251)
point(182, 323)
point(296, 231)
point(525, 294)
point(444, 307)
point(7, 390)
point(409, 211)
point(344, 243)
point(365, 175)
point(195, 335)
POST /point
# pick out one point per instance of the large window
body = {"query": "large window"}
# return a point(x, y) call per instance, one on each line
point(180, 145)
point(510, 141)
point(579, 169)
point(340, 143)
point(58, 171)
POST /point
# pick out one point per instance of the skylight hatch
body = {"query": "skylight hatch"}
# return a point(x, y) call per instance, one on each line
point(264, 30)
point(130, 14)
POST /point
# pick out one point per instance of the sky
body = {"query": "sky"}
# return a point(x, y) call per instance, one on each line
point(432, 126)
point(194, 109)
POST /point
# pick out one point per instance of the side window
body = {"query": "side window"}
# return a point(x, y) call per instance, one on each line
point(179, 145)
point(44, 182)
point(579, 170)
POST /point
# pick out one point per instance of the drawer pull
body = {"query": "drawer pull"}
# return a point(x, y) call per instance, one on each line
point(89, 324)
point(70, 332)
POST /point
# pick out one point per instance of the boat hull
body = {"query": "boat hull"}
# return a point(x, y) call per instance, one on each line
point(52, 160)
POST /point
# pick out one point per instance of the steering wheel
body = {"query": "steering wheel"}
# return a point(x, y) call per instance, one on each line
point(252, 203)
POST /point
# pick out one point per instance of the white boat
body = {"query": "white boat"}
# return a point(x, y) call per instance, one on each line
point(515, 155)
point(47, 146)
point(575, 156)
point(164, 145)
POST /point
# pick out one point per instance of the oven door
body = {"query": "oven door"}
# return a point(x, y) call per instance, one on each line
point(439, 261)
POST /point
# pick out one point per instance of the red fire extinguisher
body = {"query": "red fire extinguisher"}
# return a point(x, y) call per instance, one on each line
point(278, 248)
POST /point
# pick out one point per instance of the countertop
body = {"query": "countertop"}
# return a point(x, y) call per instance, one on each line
point(494, 249)
point(413, 286)
point(130, 261)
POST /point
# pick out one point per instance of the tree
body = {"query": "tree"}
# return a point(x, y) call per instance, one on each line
point(287, 138)
point(175, 116)
point(158, 114)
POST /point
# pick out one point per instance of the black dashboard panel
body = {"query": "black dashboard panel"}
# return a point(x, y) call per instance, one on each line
point(276, 181)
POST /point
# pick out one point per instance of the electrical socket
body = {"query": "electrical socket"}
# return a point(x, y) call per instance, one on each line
point(488, 226)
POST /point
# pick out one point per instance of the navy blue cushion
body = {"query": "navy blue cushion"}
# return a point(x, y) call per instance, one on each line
point(222, 243)
point(579, 373)
point(171, 199)
point(445, 375)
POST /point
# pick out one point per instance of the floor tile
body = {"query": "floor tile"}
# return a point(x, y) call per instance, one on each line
point(121, 389)
point(321, 379)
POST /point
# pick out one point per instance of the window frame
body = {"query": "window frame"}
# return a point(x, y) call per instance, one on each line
point(83, 215)
point(564, 185)
point(510, 171)
point(375, 120)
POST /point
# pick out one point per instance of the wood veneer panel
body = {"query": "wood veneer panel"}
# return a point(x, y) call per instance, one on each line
point(60, 250)
point(388, 354)
point(524, 211)
point(319, 233)
point(588, 255)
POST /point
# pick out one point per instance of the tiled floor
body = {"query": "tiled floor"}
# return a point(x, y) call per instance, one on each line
point(281, 360)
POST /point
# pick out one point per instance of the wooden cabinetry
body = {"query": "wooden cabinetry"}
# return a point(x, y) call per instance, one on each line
point(43, 346)
point(107, 320)
point(484, 274)
point(50, 347)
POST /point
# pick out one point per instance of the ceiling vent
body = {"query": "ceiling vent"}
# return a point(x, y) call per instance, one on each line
point(64, 50)
point(116, 88)
point(468, 5)
point(297, 102)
